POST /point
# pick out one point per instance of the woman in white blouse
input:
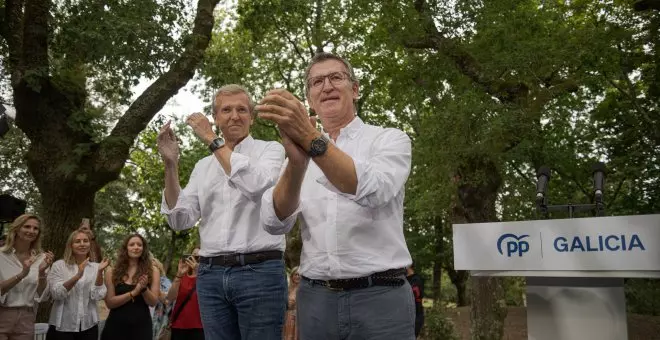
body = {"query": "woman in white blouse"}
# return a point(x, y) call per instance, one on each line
point(76, 285)
point(23, 270)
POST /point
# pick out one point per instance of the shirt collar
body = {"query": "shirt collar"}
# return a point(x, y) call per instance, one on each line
point(244, 145)
point(351, 130)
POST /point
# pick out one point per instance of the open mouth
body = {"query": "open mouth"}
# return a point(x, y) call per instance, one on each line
point(330, 99)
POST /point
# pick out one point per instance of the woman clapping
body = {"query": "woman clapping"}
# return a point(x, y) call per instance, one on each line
point(23, 270)
point(133, 285)
point(76, 285)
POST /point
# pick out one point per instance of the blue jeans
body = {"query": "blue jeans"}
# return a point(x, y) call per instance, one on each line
point(373, 313)
point(242, 302)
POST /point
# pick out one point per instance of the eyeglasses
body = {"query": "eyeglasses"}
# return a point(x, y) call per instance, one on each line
point(336, 78)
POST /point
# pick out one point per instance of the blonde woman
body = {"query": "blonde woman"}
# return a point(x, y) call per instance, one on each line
point(76, 285)
point(23, 270)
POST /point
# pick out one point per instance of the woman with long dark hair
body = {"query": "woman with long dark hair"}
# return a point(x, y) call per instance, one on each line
point(23, 271)
point(76, 285)
point(133, 285)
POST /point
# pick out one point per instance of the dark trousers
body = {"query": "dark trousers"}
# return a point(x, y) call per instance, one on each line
point(187, 334)
point(89, 334)
point(419, 323)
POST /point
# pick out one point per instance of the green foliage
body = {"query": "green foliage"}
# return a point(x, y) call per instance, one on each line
point(15, 179)
point(643, 296)
point(438, 325)
point(133, 203)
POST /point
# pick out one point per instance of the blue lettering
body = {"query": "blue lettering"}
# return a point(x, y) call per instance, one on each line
point(589, 248)
point(607, 243)
point(577, 243)
point(561, 247)
point(636, 242)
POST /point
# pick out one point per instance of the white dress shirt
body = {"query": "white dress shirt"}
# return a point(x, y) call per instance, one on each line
point(229, 205)
point(74, 310)
point(24, 293)
point(349, 236)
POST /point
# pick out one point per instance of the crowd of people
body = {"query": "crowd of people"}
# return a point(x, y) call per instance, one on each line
point(344, 184)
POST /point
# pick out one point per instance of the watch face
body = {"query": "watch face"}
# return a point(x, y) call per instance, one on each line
point(318, 147)
point(216, 144)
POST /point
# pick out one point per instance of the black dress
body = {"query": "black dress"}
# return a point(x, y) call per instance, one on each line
point(130, 321)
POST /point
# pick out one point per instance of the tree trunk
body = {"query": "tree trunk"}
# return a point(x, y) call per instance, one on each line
point(478, 183)
point(488, 309)
point(459, 279)
point(461, 292)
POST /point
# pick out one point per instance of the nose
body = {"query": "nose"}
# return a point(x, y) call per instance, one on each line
point(329, 87)
point(234, 115)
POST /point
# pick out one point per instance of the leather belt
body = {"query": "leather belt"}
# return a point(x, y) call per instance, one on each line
point(391, 277)
point(238, 259)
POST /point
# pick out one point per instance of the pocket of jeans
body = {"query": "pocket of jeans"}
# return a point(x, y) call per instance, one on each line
point(267, 267)
point(202, 269)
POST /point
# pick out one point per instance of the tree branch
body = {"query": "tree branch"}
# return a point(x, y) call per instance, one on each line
point(574, 180)
point(318, 16)
point(616, 192)
point(14, 37)
point(505, 91)
point(35, 36)
point(113, 150)
point(643, 5)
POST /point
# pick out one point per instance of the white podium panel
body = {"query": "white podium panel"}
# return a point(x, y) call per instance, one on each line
point(574, 268)
point(576, 309)
point(620, 243)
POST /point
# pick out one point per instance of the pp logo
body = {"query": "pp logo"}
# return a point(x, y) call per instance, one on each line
point(514, 244)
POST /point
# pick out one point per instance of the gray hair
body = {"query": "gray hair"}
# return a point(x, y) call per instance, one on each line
point(233, 89)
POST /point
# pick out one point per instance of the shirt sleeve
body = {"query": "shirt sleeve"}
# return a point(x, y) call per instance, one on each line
point(186, 212)
point(45, 295)
point(5, 274)
point(253, 177)
point(271, 223)
point(381, 177)
point(97, 293)
point(56, 279)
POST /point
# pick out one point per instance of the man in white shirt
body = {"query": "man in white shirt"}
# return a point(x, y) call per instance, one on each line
point(241, 282)
point(349, 199)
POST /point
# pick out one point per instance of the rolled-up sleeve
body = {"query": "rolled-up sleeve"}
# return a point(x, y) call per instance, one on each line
point(253, 178)
point(186, 212)
point(56, 279)
point(98, 292)
point(381, 177)
point(271, 223)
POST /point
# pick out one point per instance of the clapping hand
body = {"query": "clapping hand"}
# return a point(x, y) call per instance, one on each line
point(48, 260)
point(143, 281)
point(27, 263)
point(168, 147)
point(103, 265)
point(81, 267)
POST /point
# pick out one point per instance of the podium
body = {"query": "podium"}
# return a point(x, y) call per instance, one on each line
point(574, 268)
